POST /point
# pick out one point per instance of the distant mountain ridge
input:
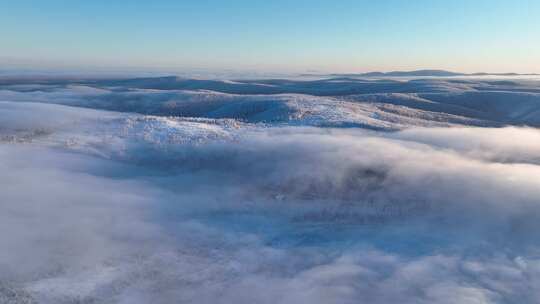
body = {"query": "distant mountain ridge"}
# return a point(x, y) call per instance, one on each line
point(421, 73)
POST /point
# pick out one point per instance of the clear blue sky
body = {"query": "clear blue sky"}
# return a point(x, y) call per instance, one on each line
point(274, 35)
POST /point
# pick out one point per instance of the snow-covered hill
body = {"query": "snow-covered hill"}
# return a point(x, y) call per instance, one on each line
point(373, 104)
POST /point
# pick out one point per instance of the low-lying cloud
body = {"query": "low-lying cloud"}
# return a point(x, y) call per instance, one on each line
point(108, 207)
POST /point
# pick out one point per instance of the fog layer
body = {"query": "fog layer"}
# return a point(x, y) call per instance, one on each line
point(117, 207)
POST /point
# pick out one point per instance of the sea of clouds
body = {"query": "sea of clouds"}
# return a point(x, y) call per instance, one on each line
point(115, 207)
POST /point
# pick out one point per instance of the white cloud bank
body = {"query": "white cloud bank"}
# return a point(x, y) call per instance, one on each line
point(108, 207)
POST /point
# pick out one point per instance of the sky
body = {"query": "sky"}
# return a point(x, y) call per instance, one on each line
point(278, 35)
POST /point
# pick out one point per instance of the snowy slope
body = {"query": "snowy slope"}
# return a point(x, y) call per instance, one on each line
point(386, 105)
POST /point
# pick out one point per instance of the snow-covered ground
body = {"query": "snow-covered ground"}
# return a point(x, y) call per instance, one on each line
point(341, 190)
